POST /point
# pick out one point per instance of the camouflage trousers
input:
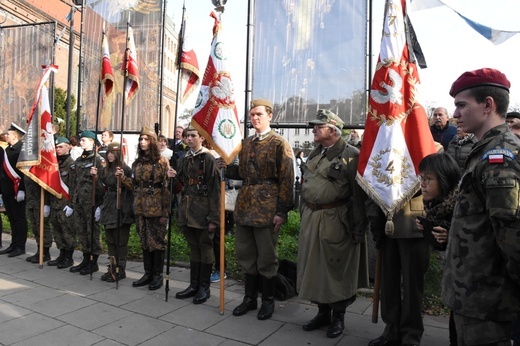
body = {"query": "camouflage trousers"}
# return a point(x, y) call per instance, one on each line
point(87, 228)
point(472, 331)
point(64, 235)
point(33, 216)
point(151, 232)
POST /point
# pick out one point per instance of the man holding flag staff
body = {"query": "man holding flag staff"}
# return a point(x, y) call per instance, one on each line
point(13, 191)
point(266, 168)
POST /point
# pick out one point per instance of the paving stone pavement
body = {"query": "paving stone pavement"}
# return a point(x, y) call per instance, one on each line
point(49, 306)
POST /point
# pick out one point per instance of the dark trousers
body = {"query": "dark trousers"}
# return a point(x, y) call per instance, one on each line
point(405, 262)
point(18, 220)
point(200, 243)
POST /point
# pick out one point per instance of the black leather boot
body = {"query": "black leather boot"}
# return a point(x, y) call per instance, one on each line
point(250, 299)
point(36, 257)
point(193, 288)
point(204, 279)
point(323, 318)
point(119, 274)
point(83, 264)
point(92, 266)
point(148, 268)
point(158, 266)
point(267, 308)
point(337, 325)
point(58, 259)
point(67, 260)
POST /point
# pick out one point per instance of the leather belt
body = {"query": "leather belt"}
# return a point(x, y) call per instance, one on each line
point(258, 181)
point(315, 206)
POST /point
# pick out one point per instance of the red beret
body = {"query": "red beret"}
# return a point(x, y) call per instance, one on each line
point(484, 76)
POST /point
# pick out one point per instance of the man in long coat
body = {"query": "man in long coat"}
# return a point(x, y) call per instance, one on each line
point(333, 224)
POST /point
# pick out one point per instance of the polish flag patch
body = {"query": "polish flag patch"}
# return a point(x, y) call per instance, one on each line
point(496, 158)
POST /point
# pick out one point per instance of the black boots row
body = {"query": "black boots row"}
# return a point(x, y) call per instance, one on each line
point(64, 260)
point(87, 265)
point(153, 262)
point(251, 295)
point(200, 274)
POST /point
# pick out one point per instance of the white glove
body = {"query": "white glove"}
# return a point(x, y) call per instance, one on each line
point(46, 210)
point(68, 211)
point(97, 214)
point(20, 196)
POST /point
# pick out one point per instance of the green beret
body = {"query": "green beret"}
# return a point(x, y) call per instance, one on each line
point(327, 117)
point(149, 132)
point(60, 140)
point(261, 102)
point(88, 134)
point(114, 146)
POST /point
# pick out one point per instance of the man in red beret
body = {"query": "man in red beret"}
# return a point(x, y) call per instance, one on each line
point(481, 282)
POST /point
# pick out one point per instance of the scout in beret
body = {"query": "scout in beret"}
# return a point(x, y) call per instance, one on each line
point(480, 285)
point(61, 140)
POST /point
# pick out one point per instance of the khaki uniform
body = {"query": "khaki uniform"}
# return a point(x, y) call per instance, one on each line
point(332, 212)
point(482, 273)
point(80, 190)
point(64, 235)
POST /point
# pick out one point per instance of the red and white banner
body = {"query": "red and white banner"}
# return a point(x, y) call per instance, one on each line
point(189, 65)
point(37, 157)
point(215, 114)
point(107, 74)
point(130, 67)
point(397, 135)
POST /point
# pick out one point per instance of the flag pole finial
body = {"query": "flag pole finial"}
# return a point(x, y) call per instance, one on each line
point(219, 5)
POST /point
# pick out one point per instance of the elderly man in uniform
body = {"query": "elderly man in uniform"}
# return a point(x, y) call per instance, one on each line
point(481, 281)
point(62, 228)
point(333, 224)
point(267, 169)
point(13, 191)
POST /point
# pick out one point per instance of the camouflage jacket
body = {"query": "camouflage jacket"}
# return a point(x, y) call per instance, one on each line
point(80, 188)
point(109, 211)
point(64, 162)
point(200, 195)
point(150, 184)
point(482, 272)
point(32, 193)
point(267, 170)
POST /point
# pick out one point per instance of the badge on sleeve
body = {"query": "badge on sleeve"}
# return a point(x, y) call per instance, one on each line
point(497, 155)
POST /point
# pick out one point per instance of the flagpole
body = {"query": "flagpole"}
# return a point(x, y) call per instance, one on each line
point(249, 61)
point(40, 245)
point(179, 56)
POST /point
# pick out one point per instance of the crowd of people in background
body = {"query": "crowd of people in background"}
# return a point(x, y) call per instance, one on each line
point(467, 208)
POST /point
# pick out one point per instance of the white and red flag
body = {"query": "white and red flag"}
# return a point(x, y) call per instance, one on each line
point(130, 67)
point(397, 135)
point(37, 157)
point(107, 74)
point(188, 63)
point(215, 114)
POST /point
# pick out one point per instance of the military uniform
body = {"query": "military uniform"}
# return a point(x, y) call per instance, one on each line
point(459, 149)
point(200, 205)
point(267, 170)
point(33, 197)
point(481, 281)
point(80, 190)
point(14, 209)
point(332, 213)
point(117, 244)
point(62, 228)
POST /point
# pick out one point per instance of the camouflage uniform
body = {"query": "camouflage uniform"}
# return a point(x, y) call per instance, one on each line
point(80, 189)
point(200, 205)
point(266, 168)
point(33, 197)
point(481, 282)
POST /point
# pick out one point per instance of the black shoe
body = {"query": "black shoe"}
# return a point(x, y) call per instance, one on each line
point(6, 250)
point(120, 276)
point(143, 281)
point(202, 295)
point(157, 282)
point(89, 269)
point(108, 274)
point(336, 326)
point(67, 262)
point(266, 310)
point(322, 319)
point(382, 341)
point(58, 259)
point(248, 304)
point(16, 252)
point(36, 258)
